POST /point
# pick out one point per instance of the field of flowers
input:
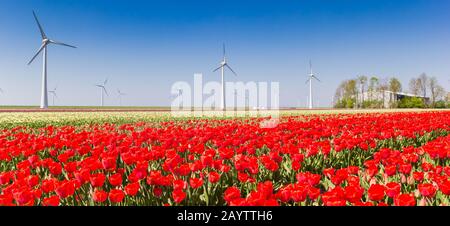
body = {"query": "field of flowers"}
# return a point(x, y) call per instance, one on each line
point(400, 158)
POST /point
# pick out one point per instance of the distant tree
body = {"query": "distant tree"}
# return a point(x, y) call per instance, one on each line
point(414, 86)
point(383, 87)
point(351, 90)
point(437, 92)
point(362, 84)
point(372, 104)
point(373, 84)
point(411, 102)
point(441, 104)
point(345, 94)
point(339, 94)
point(394, 86)
point(423, 83)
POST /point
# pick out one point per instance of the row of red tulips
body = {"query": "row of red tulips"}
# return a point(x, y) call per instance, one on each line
point(355, 159)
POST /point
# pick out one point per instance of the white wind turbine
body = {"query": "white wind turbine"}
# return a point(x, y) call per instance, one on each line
point(222, 66)
point(102, 90)
point(120, 94)
point(45, 42)
point(53, 92)
point(310, 78)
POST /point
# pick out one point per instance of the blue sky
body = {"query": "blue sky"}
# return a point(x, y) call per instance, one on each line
point(143, 47)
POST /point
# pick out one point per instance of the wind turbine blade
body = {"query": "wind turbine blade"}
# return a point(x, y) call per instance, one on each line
point(231, 69)
point(39, 51)
point(106, 92)
point(316, 78)
point(224, 53)
point(218, 68)
point(40, 27)
point(307, 80)
point(62, 44)
point(106, 81)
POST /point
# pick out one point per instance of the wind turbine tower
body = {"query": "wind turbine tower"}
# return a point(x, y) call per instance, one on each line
point(53, 92)
point(120, 94)
point(310, 78)
point(222, 66)
point(102, 90)
point(45, 42)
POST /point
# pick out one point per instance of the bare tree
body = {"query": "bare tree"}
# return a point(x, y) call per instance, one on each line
point(437, 91)
point(339, 94)
point(414, 86)
point(423, 84)
point(373, 84)
point(383, 87)
point(362, 84)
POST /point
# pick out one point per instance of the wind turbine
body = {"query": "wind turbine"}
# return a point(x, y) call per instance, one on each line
point(53, 92)
point(222, 66)
point(120, 94)
point(102, 90)
point(310, 78)
point(45, 42)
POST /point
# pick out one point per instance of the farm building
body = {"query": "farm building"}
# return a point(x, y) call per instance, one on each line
point(387, 97)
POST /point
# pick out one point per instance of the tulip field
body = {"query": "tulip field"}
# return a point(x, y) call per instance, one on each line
point(322, 159)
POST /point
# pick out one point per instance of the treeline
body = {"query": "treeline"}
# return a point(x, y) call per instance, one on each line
point(370, 92)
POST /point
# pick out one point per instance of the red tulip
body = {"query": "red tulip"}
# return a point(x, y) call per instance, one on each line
point(427, 190)
point(99, 196)
point(232, 193)
point(51, 201)
point(116, 195)
point(376, 192)
point(405, 200)
point(178, 196)
point(213, 177)
point(97, 180)
point(115, 179)
point(195, 182)
point(132, 189)
point(392, 189)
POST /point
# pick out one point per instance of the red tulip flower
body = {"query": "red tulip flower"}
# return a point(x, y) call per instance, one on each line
point(116, 195)
point(376, 192)
point(405, 200)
